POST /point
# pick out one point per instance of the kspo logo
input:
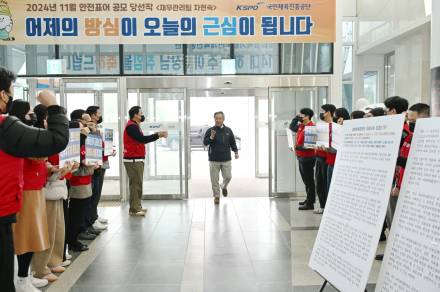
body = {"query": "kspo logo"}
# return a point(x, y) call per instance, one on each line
point(249, 7)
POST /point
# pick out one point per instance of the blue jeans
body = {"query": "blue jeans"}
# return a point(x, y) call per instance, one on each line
point(329, 176)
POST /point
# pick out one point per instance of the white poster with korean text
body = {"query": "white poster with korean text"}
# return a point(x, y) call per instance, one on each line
point(322, 134)
point(310, 136)
point(72, 151)
point(94, 149)
point(108, 142)
point(349, 233)
point(412, 255)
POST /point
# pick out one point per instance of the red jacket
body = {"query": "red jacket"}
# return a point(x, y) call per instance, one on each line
point(11, 182)
point(407, 136)
point(321, 153)
point(132, 148)
point(81, 180)
point(300, 142)
point(34, 174)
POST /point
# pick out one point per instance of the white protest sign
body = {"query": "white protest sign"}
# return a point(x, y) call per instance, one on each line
point(412, 255)
point(336, 136)
point(73, 149)
point(322, 134)
point(108, 142)
point(94, 149)
point(310, 136)
point(347, 239)
point(290, 141)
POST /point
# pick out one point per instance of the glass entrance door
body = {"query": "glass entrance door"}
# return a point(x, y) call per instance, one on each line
point(165, 165)
point(284, 104)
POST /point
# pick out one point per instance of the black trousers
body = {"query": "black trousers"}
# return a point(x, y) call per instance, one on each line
point(306, 168)
point(66, 225)
point(77, 218)
point(321, 180)
point(6, 258)
point(97, 182)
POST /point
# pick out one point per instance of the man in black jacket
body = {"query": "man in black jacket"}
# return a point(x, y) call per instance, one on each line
point(220, 140)
point(18, 140)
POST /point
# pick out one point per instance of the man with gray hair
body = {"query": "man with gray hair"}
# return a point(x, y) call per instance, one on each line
point(220, 141)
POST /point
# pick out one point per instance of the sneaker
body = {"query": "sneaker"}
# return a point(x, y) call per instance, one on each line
point(66, 263)
point(137, 214)
point(94, 231)
point(319, 211)
point(306, 207)
point(85, 235)
point(103, 220)
point(99, 226)
point(216, 200)
point(50, 278)
point(145, 210)
point(58, 270)
point(225, 192)
point(38, 283)
point(78, 247)
point(25, 285)
point(303, 203)
point(68, 256)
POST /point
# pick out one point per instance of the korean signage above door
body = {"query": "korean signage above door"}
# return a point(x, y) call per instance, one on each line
point(166, 21)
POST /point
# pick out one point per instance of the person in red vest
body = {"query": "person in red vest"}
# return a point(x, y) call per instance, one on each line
point(305, 156)
point(395, 105)
point(325, 115)
point(18, 141)
point(134, 156)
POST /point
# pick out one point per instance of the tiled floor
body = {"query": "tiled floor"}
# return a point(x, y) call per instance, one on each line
point(244, 244)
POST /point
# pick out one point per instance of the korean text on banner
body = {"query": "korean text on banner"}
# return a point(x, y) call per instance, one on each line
point(108, 142)
point(347, 239)
point(336, 136)
point(94, 149)
point(167, 21)
point(322, 135)
point(412, 255)
point(73, 149)
point(310, 136)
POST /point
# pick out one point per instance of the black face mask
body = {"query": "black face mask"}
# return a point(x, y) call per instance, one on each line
point(32, 120)
point(321, 116)
point(9, 104)
point(99, 120)
point(142, 118)
point(412, 126)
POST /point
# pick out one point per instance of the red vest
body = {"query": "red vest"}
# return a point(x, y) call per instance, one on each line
point(11, 182)
point(331, 157)
point(133, 148)
point(34, 174)
point(300, 142)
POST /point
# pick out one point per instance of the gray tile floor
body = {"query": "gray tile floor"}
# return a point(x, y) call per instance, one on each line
point(244, 244)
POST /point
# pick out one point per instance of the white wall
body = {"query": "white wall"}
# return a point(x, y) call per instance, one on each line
point(367, 63)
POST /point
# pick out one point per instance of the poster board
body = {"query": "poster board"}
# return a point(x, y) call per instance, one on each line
point(73, 149)
point(290, 140)
point(322, 137)
point(336, 136)
point(412, 256)
point(310, 136)
point(350, 228)
point(108, 141)
point(93, 149)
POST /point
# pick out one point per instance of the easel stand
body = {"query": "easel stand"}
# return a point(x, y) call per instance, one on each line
point(327, 282)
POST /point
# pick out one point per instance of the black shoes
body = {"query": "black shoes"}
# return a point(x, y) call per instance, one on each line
point(379, 257)
point(94, 231)
point(78, 246)
point(306, 207)
point(86, 235)
point(303, 203)
point(225, 192)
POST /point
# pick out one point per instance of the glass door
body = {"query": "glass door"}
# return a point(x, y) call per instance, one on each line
point(284, 104)
point(261, 137)
point(81, 93)
point(165, 166)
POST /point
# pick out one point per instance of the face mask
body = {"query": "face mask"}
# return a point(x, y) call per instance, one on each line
point(412, 126)
point(99, 120)
point(142, 118)
point(335, 119)
point(321, 116)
